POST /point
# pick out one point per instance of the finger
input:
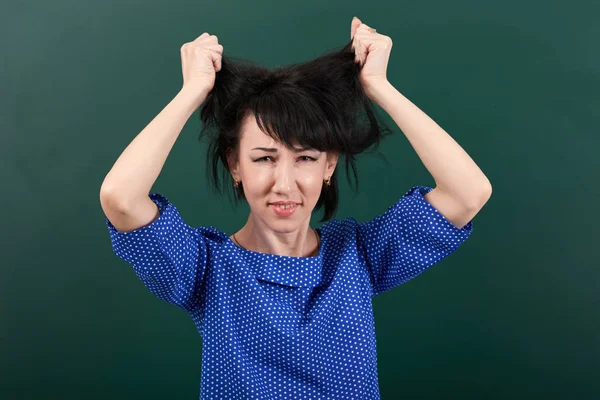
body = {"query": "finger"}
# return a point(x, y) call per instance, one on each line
point(216, 59)
point(358, 52)
point(216, 53)
point(201, 36)
point(218, 48)
point(354, 26)
point(364, 27)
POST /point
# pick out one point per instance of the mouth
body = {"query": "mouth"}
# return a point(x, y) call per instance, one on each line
point(283, 210)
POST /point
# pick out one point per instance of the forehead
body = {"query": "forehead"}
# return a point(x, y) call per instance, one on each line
point(252, 136)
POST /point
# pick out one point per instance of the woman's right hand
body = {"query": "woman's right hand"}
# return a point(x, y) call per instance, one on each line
point(200, 62)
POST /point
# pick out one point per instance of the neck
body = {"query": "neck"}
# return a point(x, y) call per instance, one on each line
point(303, 242)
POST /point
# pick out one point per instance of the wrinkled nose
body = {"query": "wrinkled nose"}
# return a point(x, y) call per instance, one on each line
point(285, 178)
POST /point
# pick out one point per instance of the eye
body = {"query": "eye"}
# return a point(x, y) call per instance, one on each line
point(305, 158)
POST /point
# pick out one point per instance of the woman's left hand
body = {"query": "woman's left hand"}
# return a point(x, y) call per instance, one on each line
point(372, 51)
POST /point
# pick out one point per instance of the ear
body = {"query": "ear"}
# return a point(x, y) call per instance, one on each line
point(233, 164)
point(332, 159)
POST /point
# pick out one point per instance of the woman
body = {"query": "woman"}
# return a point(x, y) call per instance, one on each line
point(284, 309)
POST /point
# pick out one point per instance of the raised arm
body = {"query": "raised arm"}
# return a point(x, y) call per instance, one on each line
point(135, 171)
point(146, 230)
point(130, 180)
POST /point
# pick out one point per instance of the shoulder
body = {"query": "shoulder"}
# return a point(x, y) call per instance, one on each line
point(212, 234)
point(339, 234)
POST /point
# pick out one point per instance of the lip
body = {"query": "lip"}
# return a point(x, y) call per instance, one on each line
point(286, 203)
point(284, 212)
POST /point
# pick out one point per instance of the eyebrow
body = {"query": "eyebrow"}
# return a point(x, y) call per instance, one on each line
point(274, 150)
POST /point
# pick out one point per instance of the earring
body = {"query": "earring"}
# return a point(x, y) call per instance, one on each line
point(236, 183)
point(327, 181)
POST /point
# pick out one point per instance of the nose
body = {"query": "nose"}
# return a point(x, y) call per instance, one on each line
point(285, 178)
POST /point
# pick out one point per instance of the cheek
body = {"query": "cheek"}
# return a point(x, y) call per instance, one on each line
point(254, 176)
point(314, 182)
point(311, 185)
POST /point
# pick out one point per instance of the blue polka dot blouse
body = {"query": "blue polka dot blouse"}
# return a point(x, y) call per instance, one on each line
point(284, 327)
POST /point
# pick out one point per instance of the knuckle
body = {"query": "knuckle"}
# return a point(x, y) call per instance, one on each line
point(201, 36)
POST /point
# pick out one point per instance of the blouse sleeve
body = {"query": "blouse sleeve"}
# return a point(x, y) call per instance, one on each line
point(168, 256)
point(409, 237)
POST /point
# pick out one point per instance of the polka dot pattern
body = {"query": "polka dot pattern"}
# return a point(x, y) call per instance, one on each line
point(284, 327)
point(407, 239)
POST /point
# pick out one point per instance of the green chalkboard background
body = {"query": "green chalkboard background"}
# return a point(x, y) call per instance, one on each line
point(513, 313)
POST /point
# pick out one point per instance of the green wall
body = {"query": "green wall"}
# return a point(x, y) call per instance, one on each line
point(513, 313)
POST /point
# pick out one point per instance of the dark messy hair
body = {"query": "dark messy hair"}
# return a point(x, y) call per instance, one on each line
point(319, 104)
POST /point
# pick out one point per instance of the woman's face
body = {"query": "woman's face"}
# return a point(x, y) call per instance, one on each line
point(270, 172)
